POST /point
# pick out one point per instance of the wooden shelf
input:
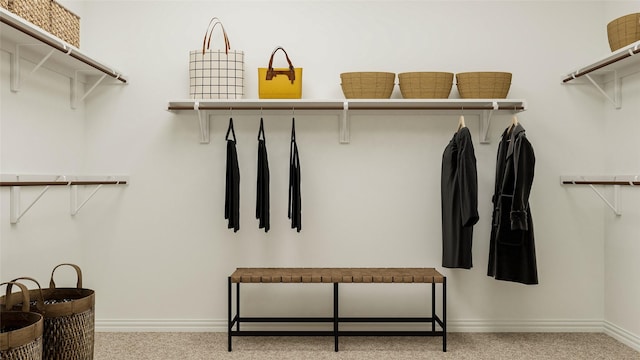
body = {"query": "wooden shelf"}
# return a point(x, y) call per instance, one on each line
point(482, 107)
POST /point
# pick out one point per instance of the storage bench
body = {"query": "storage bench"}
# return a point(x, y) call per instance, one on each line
point(337, 276)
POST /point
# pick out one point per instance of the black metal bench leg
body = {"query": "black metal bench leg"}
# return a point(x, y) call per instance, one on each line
point(238, 305)
point(229, 313)
point(444, 314)
point(335, 314)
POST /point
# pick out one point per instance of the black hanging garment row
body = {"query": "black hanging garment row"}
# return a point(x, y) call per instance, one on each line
point(262, 193)
point(232, 187)
point(295, 199)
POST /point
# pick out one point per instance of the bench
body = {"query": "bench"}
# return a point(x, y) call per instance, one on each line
point(337, 276)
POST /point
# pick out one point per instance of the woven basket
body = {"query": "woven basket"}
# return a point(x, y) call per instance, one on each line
point(69, 319)
point(623, 31)
point(65, 24)
point(483, 85)
point(34, 11)
point(367, 85)
point(425, 85)
point(20, 331)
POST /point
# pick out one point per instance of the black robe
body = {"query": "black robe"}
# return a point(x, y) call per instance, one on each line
point(232, 183)
point(262, 193)
point(512, 253)
point(459, 187)
point(295, 197)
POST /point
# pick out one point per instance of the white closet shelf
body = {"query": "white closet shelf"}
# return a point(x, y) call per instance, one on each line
point(608, 180)
point(16, 182)
point(482, 107)
point(27, 41)
point(618, 64)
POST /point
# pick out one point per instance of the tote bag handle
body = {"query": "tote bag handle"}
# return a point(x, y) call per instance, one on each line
point(207, 36)
point(271, 72)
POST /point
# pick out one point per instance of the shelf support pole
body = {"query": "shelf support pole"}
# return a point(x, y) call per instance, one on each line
point(616, 101)
point(75, 208)
point(345, 134)
point(15, 213)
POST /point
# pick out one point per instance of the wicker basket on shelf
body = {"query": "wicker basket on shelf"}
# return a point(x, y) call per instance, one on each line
point(65, 24)
point(425, 85)
point(483, 85)
point(367, 85)
point(34, 11)
point(623, 31)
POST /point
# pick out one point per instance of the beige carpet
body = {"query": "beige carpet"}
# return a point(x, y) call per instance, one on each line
point(494, 346)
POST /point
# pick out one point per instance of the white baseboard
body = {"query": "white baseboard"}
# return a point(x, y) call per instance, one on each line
point(219, 325)
point(622, 335)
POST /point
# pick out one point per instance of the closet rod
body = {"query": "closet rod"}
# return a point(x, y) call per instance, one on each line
point(61, 183)
point(622, 56)
point(595, 182)
point(64, 50)
point(351, 107)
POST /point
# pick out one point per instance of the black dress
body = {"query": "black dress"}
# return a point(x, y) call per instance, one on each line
point(512, 252)
point(459, 185)
point(232, 184)
point(262, 193)
point(295, 198)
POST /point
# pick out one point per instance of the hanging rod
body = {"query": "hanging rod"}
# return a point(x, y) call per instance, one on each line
point(61, 183)
point(18, 24)
point(628, 180)
point(621, 56)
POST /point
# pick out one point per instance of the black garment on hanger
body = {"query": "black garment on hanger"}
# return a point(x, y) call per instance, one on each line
point(295, 198)
point(262, 193)
point(232, 185)
point(512, 252)
point(459, 185)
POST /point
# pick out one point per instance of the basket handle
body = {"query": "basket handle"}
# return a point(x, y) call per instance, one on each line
point(206, 43)
point(40, 301)
point(25, 296)
point(271, 73)
point(52, 284)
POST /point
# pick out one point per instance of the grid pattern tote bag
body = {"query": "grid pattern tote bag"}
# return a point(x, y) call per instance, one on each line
point(216, 74)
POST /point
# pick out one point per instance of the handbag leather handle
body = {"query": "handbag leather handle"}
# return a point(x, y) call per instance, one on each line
point(207, 36)
point(52, 284)
point(25, 296)
point(271, 73)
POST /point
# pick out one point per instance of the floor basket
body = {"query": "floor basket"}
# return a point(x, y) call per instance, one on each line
point(483, 85)
point(20, 331)
point(623, 31)
point(69, 319)
point(425, 85)
point(367, 85)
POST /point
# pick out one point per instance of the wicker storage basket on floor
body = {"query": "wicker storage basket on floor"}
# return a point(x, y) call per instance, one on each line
point(425, 85)
point(623, 31)
point(483, 85)
point(69, 318)
point(20, 331)
point(36, 12)
point(367, 85)
point(65, 24)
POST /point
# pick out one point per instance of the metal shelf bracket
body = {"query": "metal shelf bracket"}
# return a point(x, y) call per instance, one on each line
point(75, 89)
point(345, 125)
point(75, 208)
point(615, 181)
point(617, 89)
point(485, 123)
point(16, 78)
point(205, 123)
point(15, 213)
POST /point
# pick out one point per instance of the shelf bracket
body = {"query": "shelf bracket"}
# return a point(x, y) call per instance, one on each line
point(75, 89)
point(75, 208)
point(15, 213)
point(485, 123)
point(205, 123)
point(616, 198)
point(345, 125)
point(616, 101)
point(16, 78)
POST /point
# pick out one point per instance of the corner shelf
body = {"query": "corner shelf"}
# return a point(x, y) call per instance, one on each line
point(620, 63)
point(24, 40)
point(482, 107)
point(15, 182)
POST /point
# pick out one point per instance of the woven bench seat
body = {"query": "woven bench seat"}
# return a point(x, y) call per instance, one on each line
point(336, 275)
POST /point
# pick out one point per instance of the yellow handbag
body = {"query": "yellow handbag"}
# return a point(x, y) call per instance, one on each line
point(280, 83)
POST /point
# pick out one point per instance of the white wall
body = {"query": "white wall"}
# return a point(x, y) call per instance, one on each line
point(622, 243)
point(375, 202)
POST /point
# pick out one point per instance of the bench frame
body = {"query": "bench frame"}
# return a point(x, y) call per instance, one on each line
point(235, 320)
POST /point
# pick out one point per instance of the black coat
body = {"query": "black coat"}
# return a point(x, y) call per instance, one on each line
point(262, 190)
point(459, 200)
point(295, 197)
point(232, 183)
point(512, 253)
